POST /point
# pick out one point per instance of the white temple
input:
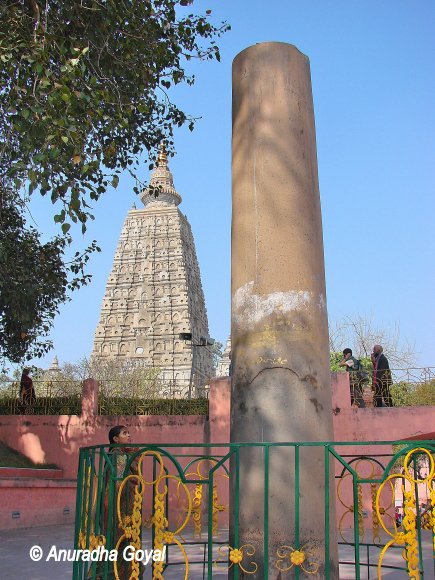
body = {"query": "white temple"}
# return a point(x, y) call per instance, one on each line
point(154, 290)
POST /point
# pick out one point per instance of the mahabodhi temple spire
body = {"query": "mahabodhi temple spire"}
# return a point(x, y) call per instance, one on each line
point(154, 290)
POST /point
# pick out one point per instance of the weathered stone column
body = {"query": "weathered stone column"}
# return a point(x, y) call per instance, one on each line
point(281, 382)
point(90, 400)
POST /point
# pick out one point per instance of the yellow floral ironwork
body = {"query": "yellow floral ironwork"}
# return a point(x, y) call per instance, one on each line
point(198, 498)
point(381, 511)
point(289, 557)
point(162, 535)
point(236, 557)
point(432, 504)
point(131, 524)
point(94, 540)
point(426, 520)
point(197, 511)
point(360, 513)
point(408, 538)
point(350, 508)
point(373, 473)
point(375, 519)
point(297, 557)
point(217, 507)
point(86, 485)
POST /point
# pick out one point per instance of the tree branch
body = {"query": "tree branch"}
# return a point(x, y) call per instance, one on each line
point(36, 17)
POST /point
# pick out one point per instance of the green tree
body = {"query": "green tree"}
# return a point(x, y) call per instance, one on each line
point(33, 282)
point(217, 350)
point(84, 96)
point(336, 357)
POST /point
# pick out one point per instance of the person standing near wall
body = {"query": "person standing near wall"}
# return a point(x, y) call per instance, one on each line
point(382, 380)
point(353, 365)
point(27, 391)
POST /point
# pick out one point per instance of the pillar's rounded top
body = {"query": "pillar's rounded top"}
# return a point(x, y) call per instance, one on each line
point(261, 47)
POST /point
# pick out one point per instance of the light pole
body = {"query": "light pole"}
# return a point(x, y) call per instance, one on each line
point(203, 341)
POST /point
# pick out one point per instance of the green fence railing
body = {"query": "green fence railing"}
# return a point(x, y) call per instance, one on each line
point(160, 512)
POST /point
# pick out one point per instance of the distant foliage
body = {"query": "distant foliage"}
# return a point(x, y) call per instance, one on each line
point(416, 391)
point(408, 394)
point(361, 333)
point(116, 378)
point(84, 96)
point(217, 350)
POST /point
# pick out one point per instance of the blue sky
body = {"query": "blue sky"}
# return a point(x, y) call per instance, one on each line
point(373, 78)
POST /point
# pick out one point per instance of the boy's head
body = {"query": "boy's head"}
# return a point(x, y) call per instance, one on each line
point(347, 353)
point(119, 434)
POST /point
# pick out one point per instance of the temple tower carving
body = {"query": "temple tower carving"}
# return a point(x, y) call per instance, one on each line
point(154, 290)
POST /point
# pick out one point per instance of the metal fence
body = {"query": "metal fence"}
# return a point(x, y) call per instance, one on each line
point(64, 397)
point(376, 512)
point(153, 397)
point(53, 397)
point(129, 396)
point(399, 387)
point(413, 386)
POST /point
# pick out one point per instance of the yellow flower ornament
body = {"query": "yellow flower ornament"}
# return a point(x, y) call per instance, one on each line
point(297, 557)
point(236, 556)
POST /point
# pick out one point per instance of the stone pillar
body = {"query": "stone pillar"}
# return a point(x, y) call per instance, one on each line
point(281, 389)
point(89, 400)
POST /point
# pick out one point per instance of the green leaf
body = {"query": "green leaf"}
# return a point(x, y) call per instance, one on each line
point(115, 181)
point(66, 228)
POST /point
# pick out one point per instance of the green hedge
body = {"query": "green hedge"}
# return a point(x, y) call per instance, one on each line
point(71, 405)
point(106, 406)
point(136, 406)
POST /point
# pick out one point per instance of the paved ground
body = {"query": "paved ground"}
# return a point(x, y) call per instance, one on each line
point(15, 562)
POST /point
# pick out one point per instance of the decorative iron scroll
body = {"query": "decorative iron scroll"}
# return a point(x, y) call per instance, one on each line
point(373, 470)
point(407, 538)
point(92, 541)
point(198, 497)
point(130, 524)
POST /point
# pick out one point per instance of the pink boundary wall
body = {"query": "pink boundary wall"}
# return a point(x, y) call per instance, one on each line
point(57, 439)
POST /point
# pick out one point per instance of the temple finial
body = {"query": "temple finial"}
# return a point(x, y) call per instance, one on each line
point(161, 187)
point(162, 158)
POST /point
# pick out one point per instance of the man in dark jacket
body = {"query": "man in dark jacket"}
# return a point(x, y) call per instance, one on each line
point(382, 380)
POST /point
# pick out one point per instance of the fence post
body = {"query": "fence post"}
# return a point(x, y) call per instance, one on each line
point(89, 399)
